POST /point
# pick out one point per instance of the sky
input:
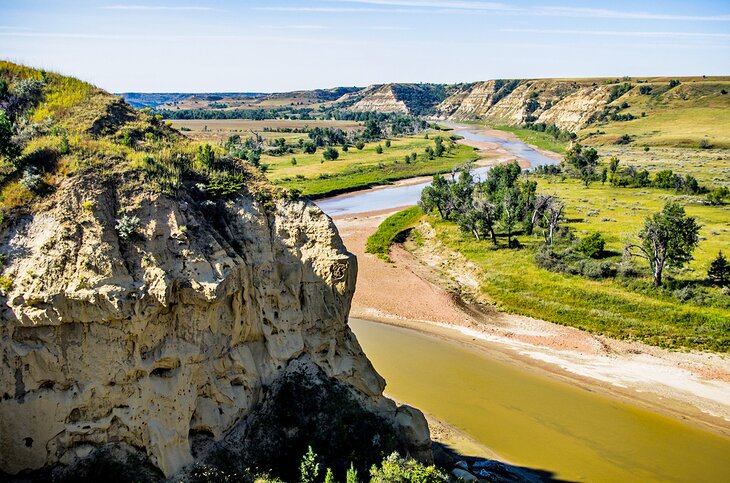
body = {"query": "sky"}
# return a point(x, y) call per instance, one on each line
point(283, 45)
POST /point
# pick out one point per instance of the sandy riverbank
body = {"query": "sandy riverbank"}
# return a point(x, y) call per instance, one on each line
point(418, 291)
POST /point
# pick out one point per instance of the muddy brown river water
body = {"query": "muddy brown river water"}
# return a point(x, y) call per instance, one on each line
point(534, 421)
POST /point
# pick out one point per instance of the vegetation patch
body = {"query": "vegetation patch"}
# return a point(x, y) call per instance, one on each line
point(390, 230)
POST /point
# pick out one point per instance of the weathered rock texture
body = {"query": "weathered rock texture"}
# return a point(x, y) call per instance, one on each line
point(173, 335)
point(566, 103)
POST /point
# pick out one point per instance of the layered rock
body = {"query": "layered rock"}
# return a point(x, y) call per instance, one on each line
point(379, 99)
point(175, 333)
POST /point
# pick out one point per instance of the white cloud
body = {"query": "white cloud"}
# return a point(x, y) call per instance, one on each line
point(152, 8)
point(548, 11)
point(612, 33)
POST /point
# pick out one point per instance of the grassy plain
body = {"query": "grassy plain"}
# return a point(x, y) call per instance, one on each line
point(218, 130)
point(539, 139)
point(621, 308)
point(356, 169)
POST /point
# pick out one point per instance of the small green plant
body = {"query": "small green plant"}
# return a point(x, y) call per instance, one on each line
point(309, 468)
point(351, 476)
point(6, 285)
point(387, 143)
point(329, 477)
point(87, 206)
point(379, 149)
point(127, 227)
point(360, 145)
point(293, 161)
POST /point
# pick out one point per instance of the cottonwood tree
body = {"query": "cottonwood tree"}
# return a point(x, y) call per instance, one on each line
point(668, 238)
point(547, 213)
point(583, 162)
point(435, 196)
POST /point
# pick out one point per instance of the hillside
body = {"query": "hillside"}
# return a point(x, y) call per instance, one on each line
point(162, 305)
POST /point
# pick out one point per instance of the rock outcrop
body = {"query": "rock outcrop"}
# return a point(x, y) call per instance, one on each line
point(172, 338)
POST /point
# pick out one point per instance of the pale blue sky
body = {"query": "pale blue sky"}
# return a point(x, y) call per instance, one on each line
point(277, 45)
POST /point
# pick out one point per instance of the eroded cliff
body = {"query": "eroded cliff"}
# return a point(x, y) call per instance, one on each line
point(163, 305)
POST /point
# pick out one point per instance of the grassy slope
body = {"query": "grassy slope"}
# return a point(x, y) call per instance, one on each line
point(357, 169)
point(611, 307)
point(95, 123)
point(379, 242)
point(678, 117)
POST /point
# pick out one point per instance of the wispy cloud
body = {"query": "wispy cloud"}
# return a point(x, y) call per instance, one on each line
point(389, 28)
point(152, 8)
point(294, 27)
point(613, 33)
point(617, 14)
point(441, 6)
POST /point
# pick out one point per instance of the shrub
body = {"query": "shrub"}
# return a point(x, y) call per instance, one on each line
point(225, 186)
point(395, 469)
point(87, 206)
point(625, 139)
point(592, 245)
point(685, 294)
point(127, 227)
point(360, 145)
point(704, 144)
point(718, 195)
point(379, 149)
point(293, 161)
point(32, 179)
point(673, 83)
point(6, 285)
point(330, 153)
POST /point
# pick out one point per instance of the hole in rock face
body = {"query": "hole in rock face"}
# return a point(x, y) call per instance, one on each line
point(47, 385)
point(164, 372)
point(28, 442)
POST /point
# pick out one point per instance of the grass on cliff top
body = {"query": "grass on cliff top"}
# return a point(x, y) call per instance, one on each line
point(390, 230)
point(356, 169)
point(619, 308)
point(76, 128)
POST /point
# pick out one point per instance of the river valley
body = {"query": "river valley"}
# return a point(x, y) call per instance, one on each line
point(556, 405)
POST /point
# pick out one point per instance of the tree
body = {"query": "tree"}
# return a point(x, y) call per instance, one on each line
point(435, 196)
point(309, 147)
point(330, 153)
point(668, 238)
point(719, 271)
point(583, 161)
point(439, 149)
point(592, 245)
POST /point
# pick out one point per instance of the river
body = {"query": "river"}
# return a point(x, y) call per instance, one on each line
point(524, 416)
point(408, 195)
point(535, 421)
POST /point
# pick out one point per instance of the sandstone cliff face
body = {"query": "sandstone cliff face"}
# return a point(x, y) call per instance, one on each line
point(379, 99)
point(567, 104)
point(174, 333)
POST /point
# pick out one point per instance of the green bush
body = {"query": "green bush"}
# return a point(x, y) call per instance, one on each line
point(396, 469)
point(330, 153)
point(360, 145)
point(6, 285)
point(127, 227)
point(592, 245)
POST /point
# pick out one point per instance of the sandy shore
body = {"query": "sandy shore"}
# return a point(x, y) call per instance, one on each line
point(423, 291)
